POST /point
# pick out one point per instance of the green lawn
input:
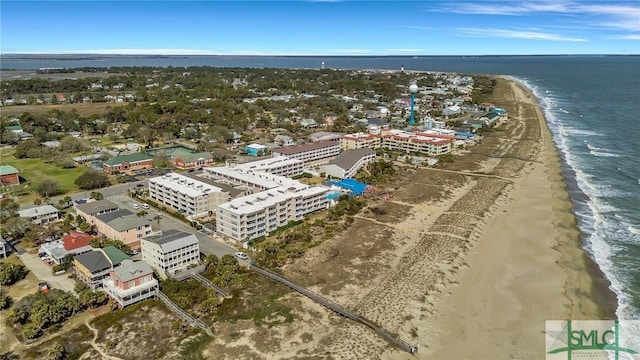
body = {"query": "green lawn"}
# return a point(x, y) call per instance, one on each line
point(36, 170)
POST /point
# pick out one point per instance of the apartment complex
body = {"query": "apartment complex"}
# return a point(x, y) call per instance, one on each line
point(170, 252)
point(316, 152)
point(430, 142)
point(360, 141)
point(92, 209)
point(347, 164)
point(185, 194)
point(277, 165)
point(257, 215)
point(130, 283)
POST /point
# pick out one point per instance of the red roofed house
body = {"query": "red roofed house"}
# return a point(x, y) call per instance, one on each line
point(9, 175)
point(76, 240)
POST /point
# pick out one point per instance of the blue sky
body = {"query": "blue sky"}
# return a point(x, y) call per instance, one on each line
point(321, 27)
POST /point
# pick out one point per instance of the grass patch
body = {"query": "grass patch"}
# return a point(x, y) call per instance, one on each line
point(36, 170)
point(82, 109)
point(262, 304)
point(192, 349)
point(114, 318)
point(76, 343)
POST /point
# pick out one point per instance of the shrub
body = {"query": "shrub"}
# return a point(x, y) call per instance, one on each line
point(11, 273)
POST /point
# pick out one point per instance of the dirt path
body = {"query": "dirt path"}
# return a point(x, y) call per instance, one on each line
point(95, 345)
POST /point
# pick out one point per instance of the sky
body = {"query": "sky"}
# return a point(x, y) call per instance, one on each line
point(321, 27)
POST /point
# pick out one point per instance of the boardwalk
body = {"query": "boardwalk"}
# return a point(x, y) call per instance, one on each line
point(206, 282)
point(338, 309)
point(183, 314)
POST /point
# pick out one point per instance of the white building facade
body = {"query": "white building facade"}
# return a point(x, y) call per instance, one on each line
point(311, 153)
point(347, 164)
point(187, 195)
point(170, 252)
point(277, 165)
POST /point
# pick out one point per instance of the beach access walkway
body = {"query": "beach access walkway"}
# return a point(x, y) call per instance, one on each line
point(338, 309)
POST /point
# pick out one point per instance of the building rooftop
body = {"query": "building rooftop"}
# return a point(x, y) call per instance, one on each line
point(257, 202)
point(122, 220)
point(172, 240)
point(260, 179)
point(38, 211)
point(306, 147)
point(349, 158)
point(75, 240)
point(114, 255)
point(188, 156)
point(130, 271)
point(7, 170)
point(97, 206)
point(131, 158)
point(233, 192)
point(185, 185)
point(267, 164)
point(94, 261)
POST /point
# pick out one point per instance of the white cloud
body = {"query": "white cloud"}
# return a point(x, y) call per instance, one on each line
point(627, 37)
point(500, 8)
point(516, 34)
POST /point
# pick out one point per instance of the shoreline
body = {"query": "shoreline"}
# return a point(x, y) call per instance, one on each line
point(532, 250)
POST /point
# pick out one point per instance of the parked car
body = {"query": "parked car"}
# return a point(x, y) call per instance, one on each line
point(135, 206)
point(145, 206)
point(242, 256)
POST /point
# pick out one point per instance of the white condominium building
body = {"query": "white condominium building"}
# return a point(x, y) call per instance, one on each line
point(170, 252)
point(278, 165)
point(187, 195)
point(258, 180)
point(429, 142)
point(259, 214)
point(311, 153)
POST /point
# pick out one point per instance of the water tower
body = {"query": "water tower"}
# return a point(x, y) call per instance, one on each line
point(413, 88)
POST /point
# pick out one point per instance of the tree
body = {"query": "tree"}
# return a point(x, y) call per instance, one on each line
point(11, 273)
point(92, 179)
point(37, 202)
point(8, 209)
point(92, 299)
point(56, 352)
point(157, 218)
point(142, 213)
point(49, 187)
point(97, 195)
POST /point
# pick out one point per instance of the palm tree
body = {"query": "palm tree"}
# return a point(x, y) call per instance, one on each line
point(157, 218)
point(56, 352)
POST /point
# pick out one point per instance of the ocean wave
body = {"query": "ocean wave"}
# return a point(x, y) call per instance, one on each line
point(593, 148)
point(603, 154)
point(600, 229)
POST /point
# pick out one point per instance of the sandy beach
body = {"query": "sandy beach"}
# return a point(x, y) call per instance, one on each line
point(467, 260)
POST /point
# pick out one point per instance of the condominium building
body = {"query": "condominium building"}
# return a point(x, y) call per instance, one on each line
point(347, 164)
point(130, 283)
point(259, 214)
point(123, 225)
point(92, 209)
point(247, 178)
point(360, 141)
point(170, 252)
point(316, 152)
point(186, 195)
point(277, 165)
point(432, 142)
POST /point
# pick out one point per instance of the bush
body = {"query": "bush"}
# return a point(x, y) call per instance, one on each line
point(5, 300)
point(49, 187)
point(11, 273)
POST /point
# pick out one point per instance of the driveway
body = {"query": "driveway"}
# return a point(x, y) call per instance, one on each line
point(43, 272)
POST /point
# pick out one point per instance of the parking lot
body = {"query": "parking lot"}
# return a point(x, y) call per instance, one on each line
point(208, 245)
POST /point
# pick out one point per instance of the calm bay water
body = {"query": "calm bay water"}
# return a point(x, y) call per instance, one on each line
point(592, 105)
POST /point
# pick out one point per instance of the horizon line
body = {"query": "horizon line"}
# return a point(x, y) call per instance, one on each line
point(304, 55)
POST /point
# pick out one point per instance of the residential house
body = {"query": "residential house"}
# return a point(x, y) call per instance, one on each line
point(170, 252)
point(74, 243)
point(255, 149)
point(131, 164)
point(130, 283)
point(89, 210)
point(347, 164)
point(123, 225)
point(94, 266)
point(41, 215)
point(9, 175)
point(283, 140)
point(308, 123)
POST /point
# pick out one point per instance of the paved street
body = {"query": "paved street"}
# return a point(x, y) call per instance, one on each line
point(43, 272)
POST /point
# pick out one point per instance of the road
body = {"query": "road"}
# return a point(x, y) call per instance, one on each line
point(43, 272)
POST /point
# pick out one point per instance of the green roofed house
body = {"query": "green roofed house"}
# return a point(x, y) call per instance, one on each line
point(184, 159)
point(9, 175)
point(131, 164)
point(114, 255)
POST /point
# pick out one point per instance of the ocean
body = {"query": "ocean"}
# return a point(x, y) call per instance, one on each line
point(592, 105)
